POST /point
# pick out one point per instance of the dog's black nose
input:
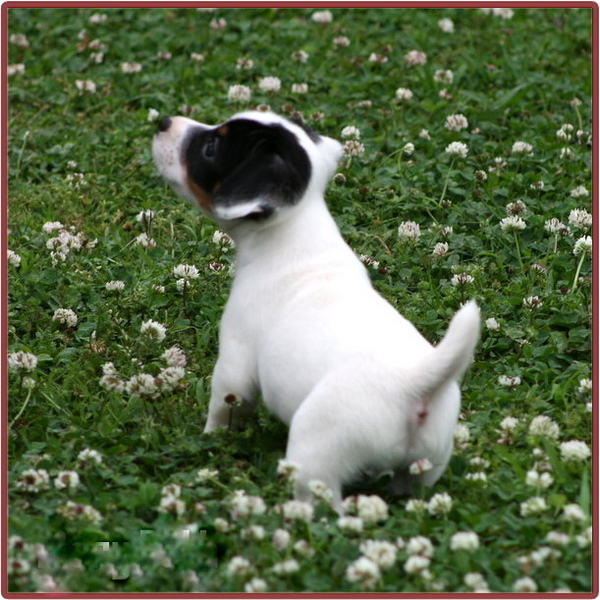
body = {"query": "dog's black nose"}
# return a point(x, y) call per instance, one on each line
point(164, 124)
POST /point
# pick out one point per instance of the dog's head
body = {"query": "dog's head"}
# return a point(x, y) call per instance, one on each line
point(247, 169)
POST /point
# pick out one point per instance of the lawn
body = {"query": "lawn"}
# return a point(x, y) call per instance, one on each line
point(467, 174)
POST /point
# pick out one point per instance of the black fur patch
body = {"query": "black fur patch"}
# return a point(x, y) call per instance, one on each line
point(243, 160)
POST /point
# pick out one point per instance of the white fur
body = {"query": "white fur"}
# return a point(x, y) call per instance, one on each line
point(304, 328)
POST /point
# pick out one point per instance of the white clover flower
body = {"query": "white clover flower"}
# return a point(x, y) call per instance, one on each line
point(462, 435)
point(322, 16)
point(238, 566)
point(145, 241)
point(222, 239)
point(239, 93)
point(22, 361)
point(169, 378)
point(52, 226)
point(456, 122)
point(287, 469)
point(19, 39)
point(300, 56)
point(243, 505)
point(299, 88)
point(371, 509)
point(539, 480)
point(553, 225)
point(533, 506)
point(153, 114)
point(66, 480)
point(17, 69)
point(13, 258)
point(457, 149)
point(416, 564)
point(464, 540)
point(171, 505)
point(206, 474)
point(415, 58)
point(269, 84)
point(443, 76)
point(522, 149)
point(477, 582)
point(525, 584)
point(253, 532)
point(477, 477)
point(353, 148)
point(440, 249)
point(34, 480)
point(492, 324)
point(420, 545)
point(341, 41)
point(286, 567)
point(512, 223)
point(579, 192)
point(416, 506)
point(221, 525)
point(580, 218)
point(440, 504)
point(583, 246)
point(255, 586)
point(353, 524)
point(574, 451)
point(461, 279)
point(200, 58)
point(85, 86)
point(142, 385)
point(573, 513)
point(65, 316)
point(369, 261)
point(409, 231)
point(89, 456)
point(382, 553)
point(114, 286)
point(584, 539)
point(28, 383)
point(363, 571)
point(404, 94)
point(186, 272)
point(544, 426)
point(446, 25)
point(174, 357)
point(154, 330)
point(281, 539)
point(585, 386)
point(557, 538)
point(351, 132)
point(532, 302)
point(420, 466)
point(320, 490)
point(408, 148)
point(296, 510)
point(131, 67)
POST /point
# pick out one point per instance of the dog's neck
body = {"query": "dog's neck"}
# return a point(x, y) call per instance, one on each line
point(308, 229)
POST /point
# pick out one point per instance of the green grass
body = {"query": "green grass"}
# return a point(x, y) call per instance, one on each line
point(514, 80)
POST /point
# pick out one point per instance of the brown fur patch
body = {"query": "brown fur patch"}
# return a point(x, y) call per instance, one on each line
point(203, 199)
point(223, 130)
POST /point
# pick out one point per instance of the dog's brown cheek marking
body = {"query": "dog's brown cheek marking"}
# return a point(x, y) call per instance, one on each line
point(203, 200)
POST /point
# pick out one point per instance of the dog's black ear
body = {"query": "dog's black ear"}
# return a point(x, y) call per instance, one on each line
point(264, 169)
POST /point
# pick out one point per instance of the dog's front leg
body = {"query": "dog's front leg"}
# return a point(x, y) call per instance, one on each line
point(233, 394)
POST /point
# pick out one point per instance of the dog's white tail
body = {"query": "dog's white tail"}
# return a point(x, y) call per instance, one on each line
point(452, 355)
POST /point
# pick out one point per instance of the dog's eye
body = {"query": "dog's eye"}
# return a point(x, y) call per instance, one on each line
point(210, 148)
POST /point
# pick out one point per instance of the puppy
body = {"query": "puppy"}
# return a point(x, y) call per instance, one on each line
point(359, 387)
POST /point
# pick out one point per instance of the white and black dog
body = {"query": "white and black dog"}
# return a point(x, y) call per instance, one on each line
point(359, 387)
